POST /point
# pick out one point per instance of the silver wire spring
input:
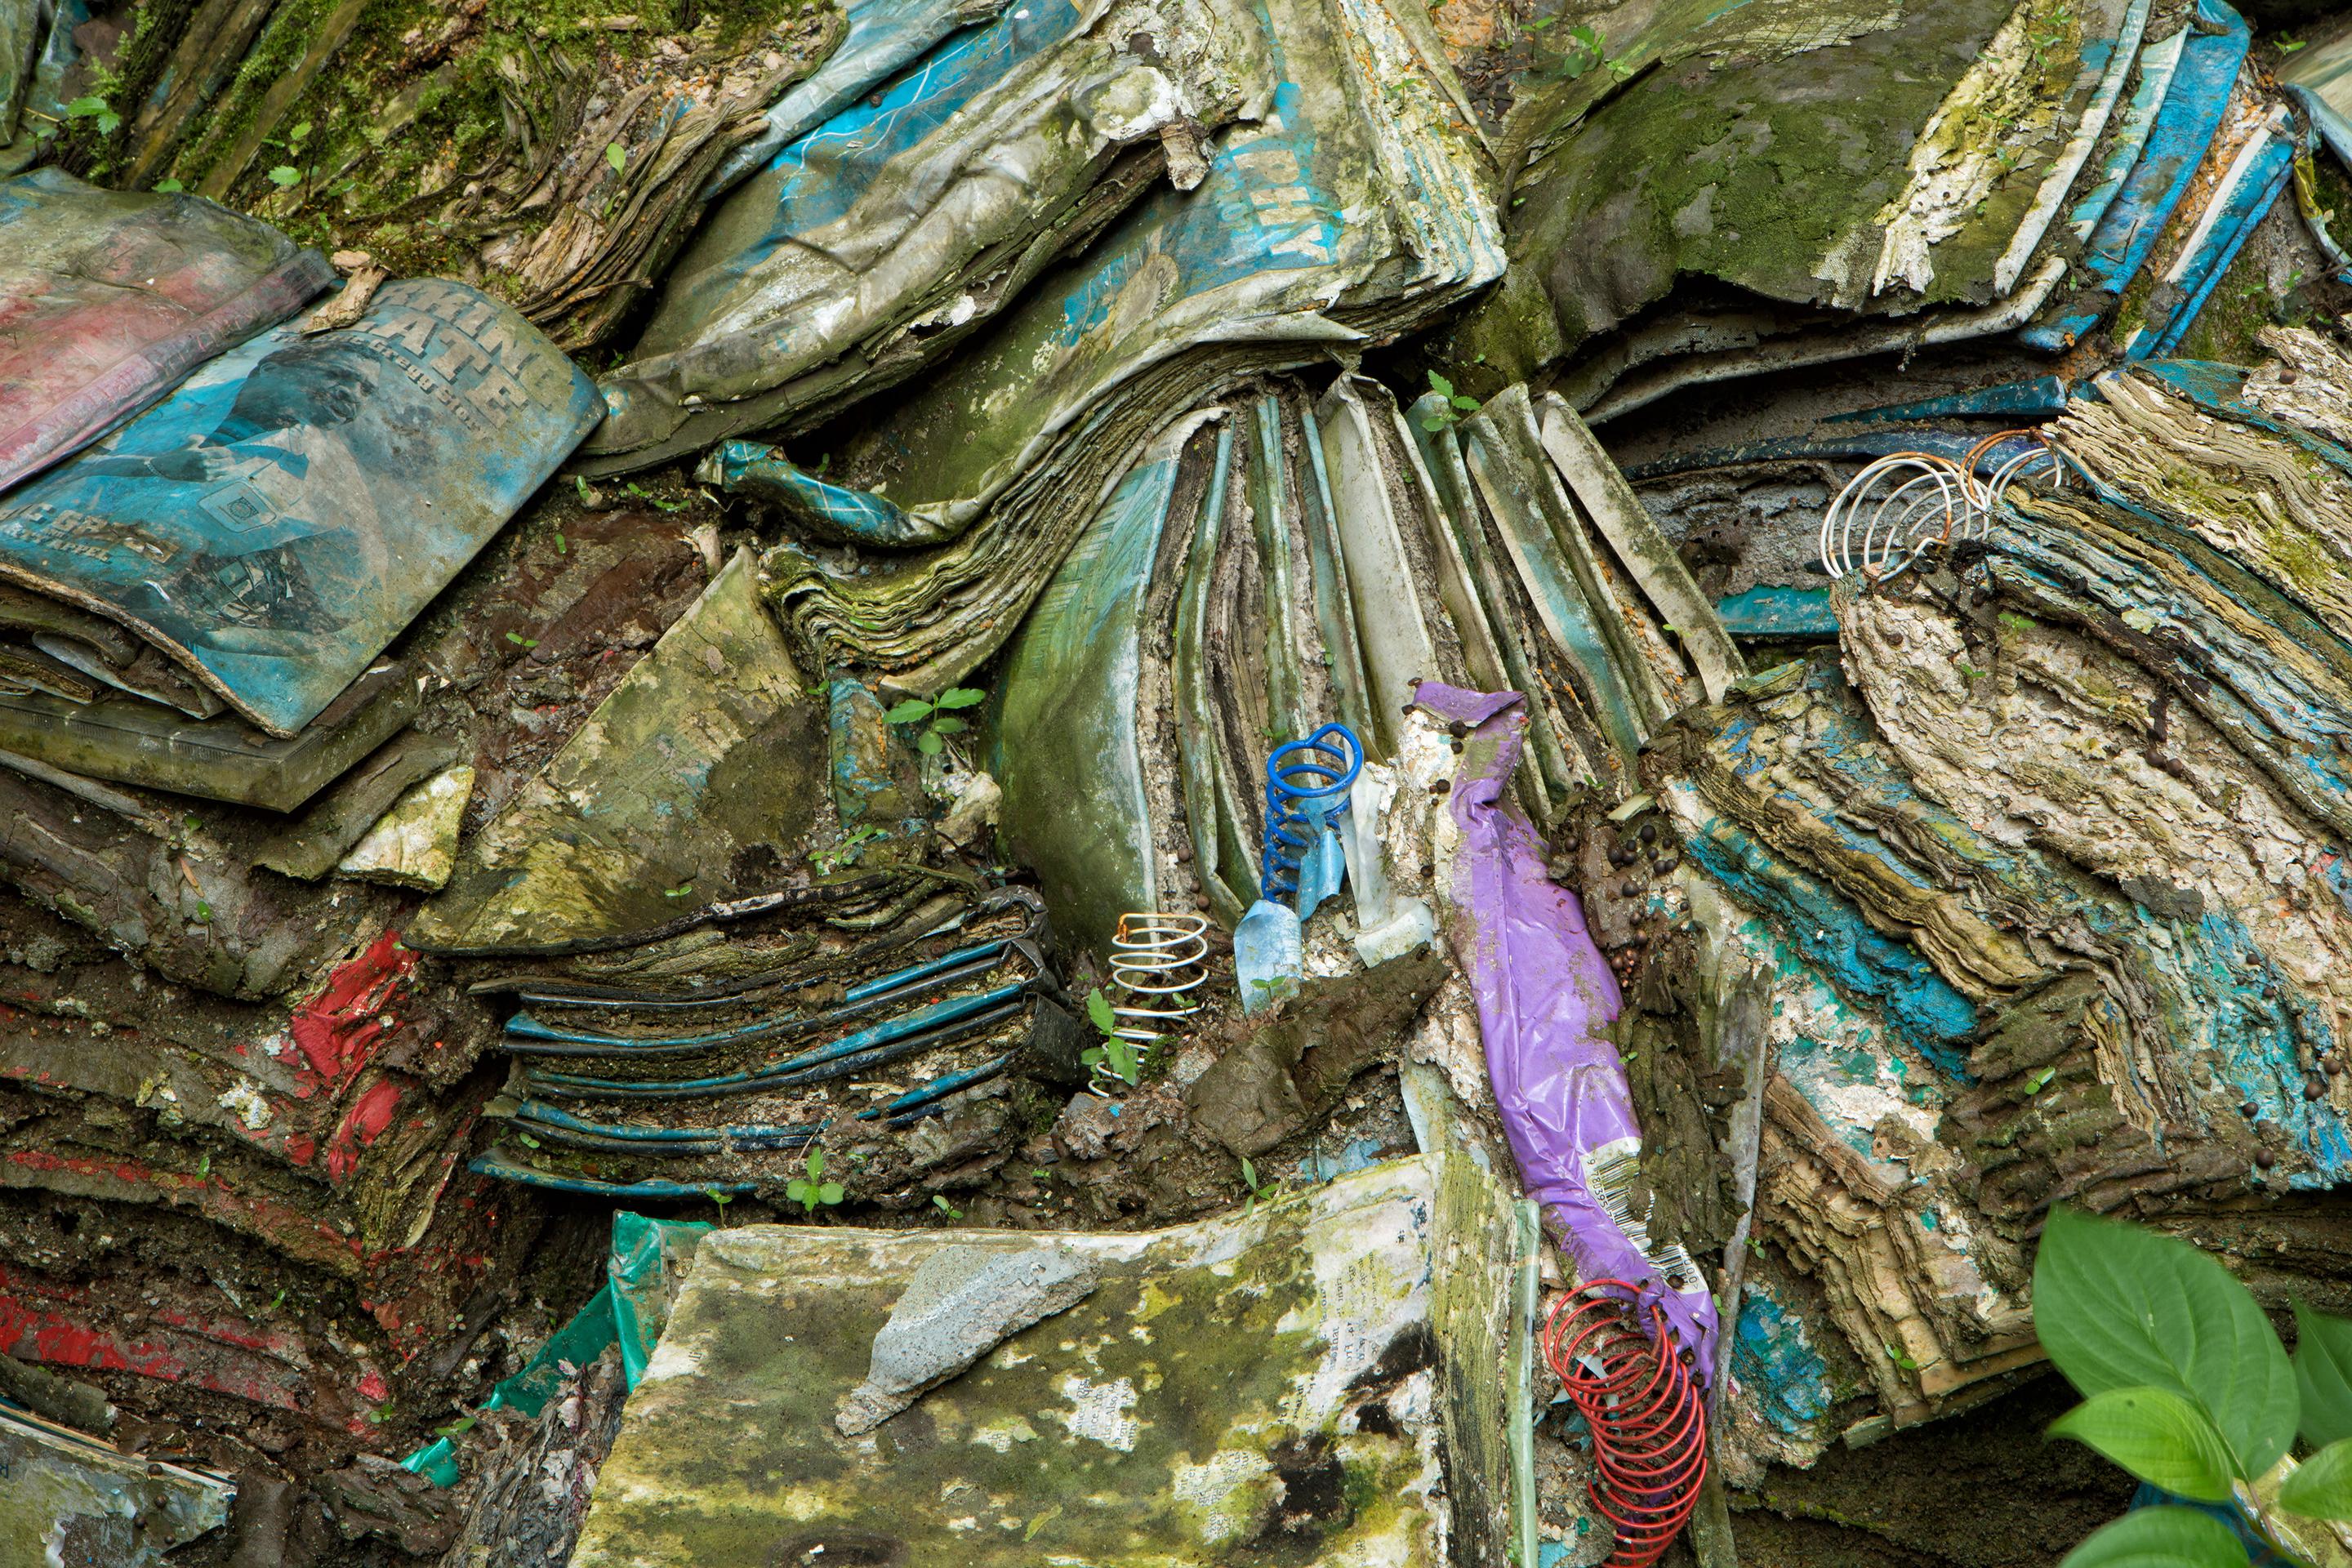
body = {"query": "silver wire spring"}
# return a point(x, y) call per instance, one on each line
point(1901, 506)
point(1158, 962)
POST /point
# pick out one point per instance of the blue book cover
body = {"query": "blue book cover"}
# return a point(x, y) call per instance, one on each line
point(281, 517)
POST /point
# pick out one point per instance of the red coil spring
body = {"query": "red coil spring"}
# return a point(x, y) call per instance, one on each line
point(1647, 1414)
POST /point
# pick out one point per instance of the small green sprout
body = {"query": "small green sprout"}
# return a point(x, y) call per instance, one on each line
point(1118, 1052)
point(1258, 1192)
point(940, 711)
point(1456, 406)
point(940, 1201)
point(815, 1192)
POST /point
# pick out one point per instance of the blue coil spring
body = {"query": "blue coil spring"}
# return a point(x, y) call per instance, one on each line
point(1318, 768)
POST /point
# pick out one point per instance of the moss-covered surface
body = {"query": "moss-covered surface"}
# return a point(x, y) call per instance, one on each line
point(1251, 1389)
point(361, 122)
point(1763, 153)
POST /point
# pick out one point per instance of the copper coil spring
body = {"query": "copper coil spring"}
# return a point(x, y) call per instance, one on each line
point(1901, 507)
point(2035, 462)
point(1158, 962)
point(1647, 1412)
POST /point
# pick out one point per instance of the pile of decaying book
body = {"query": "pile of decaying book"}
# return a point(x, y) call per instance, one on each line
point(450, 789)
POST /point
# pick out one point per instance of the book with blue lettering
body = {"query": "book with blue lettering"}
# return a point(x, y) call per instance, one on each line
point(279, 518)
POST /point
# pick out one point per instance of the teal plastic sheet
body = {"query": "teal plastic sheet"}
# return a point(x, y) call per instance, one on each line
point(642, 1272)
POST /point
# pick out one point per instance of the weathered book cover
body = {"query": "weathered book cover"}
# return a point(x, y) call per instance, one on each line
point(275, 523)
point(108, 297)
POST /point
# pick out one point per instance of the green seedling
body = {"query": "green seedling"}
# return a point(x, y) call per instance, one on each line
point(95, 108)
point(814, 1193)
point(285, 177)
point(828, 861)
point(939, 713)
point(1455, 405)
point(638, 492)
point(722, 1197)
point(1258, 1192)
point(1582, 49)
point(2040, 1080)
point(1120, 1053)
point(1899, 1356)
point(617, 156)
point(939, 1202)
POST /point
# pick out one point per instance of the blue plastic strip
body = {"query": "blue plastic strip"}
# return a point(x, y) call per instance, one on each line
point(942, 1015)
point(2157, 62)
point(544, 1114)
point(921, 972)
point(2043, 397)
point(2193, 108)
point(1769, 610)
point(1953, 444)
point(524, 1175)
point(938, 1089)
point(2248, 201)
point(857, 999)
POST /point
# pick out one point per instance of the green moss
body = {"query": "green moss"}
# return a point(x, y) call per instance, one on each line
point(1753, 172)
point(1025, 1458)
point(394, 134)
point(2241, 305)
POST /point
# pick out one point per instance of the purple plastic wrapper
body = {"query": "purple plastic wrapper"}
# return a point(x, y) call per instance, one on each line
point(1545, 1000)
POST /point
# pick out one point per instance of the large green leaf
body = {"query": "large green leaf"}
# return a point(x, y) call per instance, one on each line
point(2322, 1375)
point(2120, 1307)
point(2321, 1486)
point(2160, 1538)
point(2157, 1435)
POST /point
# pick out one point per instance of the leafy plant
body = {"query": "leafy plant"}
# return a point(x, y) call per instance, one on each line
point(1120, 1053)
point(828, 861)
point(285, 175)
point(815, 1192)
point(1456, 405)
point(720, 1196)
point(940, 711)
point(1583, 48)
point(1258, 1192)
point(94, 107)
point(2187, 1387)
point(939, 1202)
